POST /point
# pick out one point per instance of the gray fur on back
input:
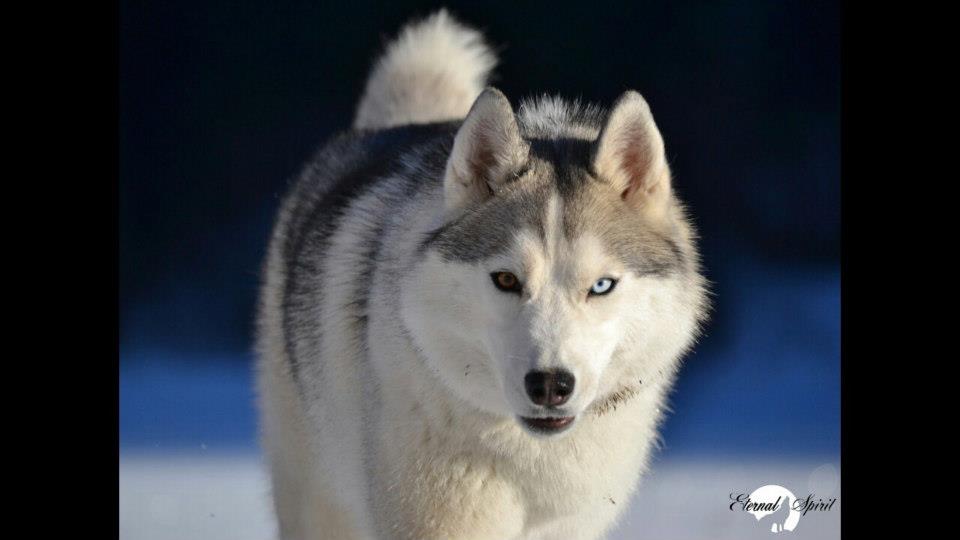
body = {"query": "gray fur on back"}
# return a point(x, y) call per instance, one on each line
point(352, 165)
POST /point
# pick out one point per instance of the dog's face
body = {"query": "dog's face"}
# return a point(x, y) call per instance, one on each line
point(555, 282)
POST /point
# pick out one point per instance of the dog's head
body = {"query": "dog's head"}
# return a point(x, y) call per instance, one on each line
point(564, 271)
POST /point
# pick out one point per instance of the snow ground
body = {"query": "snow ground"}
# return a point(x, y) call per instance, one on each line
point(226, 497)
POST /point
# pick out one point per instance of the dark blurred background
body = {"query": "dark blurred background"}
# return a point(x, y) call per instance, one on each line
point(222, 102)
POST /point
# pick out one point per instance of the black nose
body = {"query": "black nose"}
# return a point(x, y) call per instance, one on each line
point(550, 388)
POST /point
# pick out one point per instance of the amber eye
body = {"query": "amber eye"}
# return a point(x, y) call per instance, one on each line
point(505, 281)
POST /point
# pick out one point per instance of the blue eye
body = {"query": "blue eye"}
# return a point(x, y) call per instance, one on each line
point(602, 286)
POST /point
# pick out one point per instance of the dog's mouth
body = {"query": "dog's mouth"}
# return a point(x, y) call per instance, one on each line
point(548, 426)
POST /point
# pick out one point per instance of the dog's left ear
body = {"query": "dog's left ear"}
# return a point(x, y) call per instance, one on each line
point(629, 153)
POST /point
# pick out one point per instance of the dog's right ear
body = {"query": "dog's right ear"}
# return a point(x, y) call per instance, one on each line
point(487, 151)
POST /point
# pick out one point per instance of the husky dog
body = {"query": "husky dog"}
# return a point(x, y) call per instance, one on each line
point(471, 315)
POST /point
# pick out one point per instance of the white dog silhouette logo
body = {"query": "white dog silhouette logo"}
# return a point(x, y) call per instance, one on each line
point(775, 505)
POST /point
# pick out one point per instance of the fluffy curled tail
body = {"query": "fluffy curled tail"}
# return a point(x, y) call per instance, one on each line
point(433, 71)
